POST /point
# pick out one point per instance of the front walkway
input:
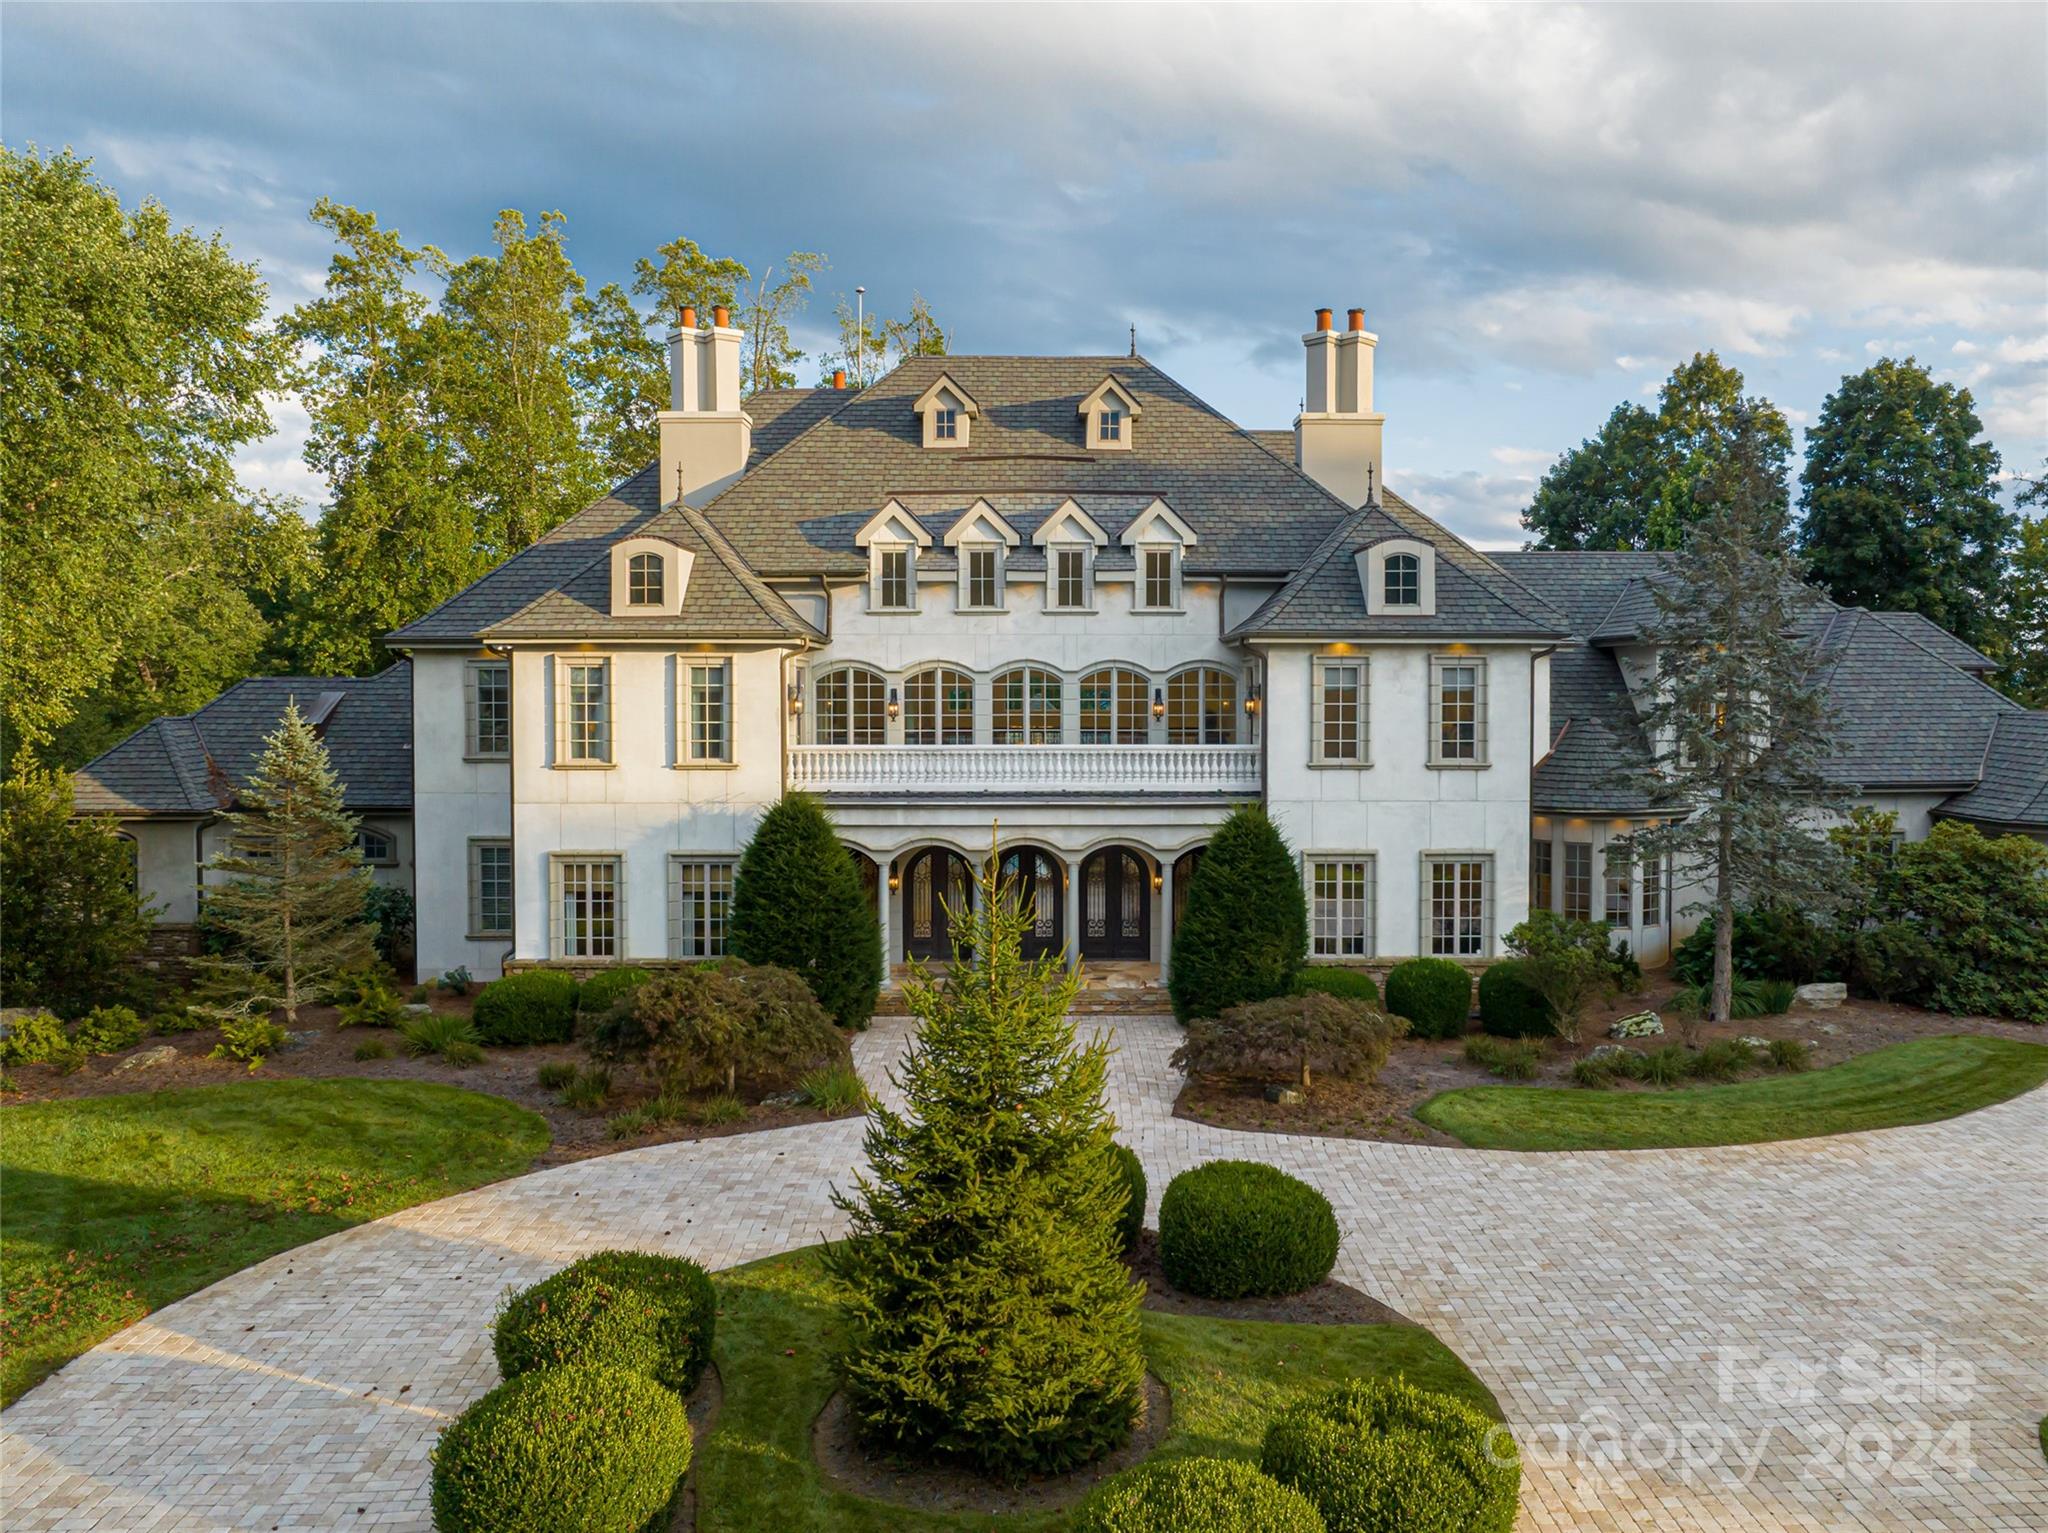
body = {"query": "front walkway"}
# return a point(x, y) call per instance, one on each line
point(1829, 1334)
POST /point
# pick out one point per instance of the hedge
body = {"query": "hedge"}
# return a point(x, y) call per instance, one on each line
point(536, 1006)
point(1132, 1170)
point(1346, 984)
point(562, 1450)
point(1434, 994)
point(1233, 1229)
point(1509, 1006)
point(1381, 1456)
point(597, 993)
point(1197, 1495)
point(630, 1310)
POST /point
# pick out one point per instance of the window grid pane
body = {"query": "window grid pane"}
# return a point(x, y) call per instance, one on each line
point(945, 425)
point(1113, 708)
point(1341, 908)
point(699, 907)
point(490, 889)
point(1201, 707)
point(895, 582)
point(1025, 707)
point(1539, 875)
point(1112, 425)
point(710, 734)
point(1617, 902)
point(981, 577)
point(1457, 897)
point(850, 707)
point(1340, 711)
point(644, 580)
point(490, 710)
point(589, 712)
point(1404, 580)
point(587, 909)
point(1653, 891)
point(1578, 880)
point(1159, 577)
point(938, 708)
point(1458, 712)
point(1070, 578)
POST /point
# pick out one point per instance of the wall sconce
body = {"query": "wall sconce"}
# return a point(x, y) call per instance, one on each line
point(1158, 704)
point(796, 698)
point(1158, 882)
point(895, 703)
point(1251, 700)
point(895, 878)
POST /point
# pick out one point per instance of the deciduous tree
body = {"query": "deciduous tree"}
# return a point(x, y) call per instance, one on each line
point(686, 278)
point(2021, 641)
point(771, 356)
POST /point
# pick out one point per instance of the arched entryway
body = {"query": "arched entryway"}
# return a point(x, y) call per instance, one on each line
point(1183, 879)
point(1116, 905)
point(934, 880)
point(1034, 878)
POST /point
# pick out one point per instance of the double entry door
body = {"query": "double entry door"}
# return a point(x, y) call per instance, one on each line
point(1116, 906)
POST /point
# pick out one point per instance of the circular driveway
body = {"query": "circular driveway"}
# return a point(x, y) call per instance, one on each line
point(1826, 1334)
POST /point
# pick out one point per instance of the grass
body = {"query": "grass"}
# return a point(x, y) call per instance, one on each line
point(777, 1333)
point(1916, 1082)
point(118, 1205)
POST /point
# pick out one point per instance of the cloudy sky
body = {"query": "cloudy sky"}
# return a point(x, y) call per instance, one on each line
point(1541, 209)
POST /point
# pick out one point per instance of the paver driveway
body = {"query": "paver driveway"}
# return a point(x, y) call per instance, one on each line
point(1831, 1334)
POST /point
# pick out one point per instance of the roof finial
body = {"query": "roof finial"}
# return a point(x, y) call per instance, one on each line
point(1371, 496)
point(679, 481)
point(1134, 340)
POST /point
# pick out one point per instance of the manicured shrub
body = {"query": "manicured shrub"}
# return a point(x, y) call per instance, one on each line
point(178, 1019)
point(797, 903)
point(597, 994)
point(1197, 1495)
point(989, 1319)
point(636, 1310)
point(1776, 996)
point(1664, 1067)
point(1509, 1006)
point(1291, 1037)
point(108, 1030)
point(372, 1048)
point(1892, 961)
point(534, 1006)
point(562, 1450)
point(1570, 963)
point(1596, 1072)
point(1132, 1221)
point(1381, 1456)
point(718, 1024)
point(36, 1038)
point(1330, 979)
point(1434, 994)
point(1244, 929)
point(1234, 1229)
point(718, 1109)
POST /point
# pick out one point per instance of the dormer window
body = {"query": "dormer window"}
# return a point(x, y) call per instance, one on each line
point(1070, 577)
point(643, 580)
point(1158, 538)
point(1397, 577)
point(1403, 583)
point(891, 539)
point(1110, 424)
point(981, 576)
point(892, 579)
point(1070, 537)
point(946, 424)
point(947, 412)
point(1107, 412)
point(1159, 579)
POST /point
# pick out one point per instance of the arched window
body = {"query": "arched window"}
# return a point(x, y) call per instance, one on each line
point(1114, 708)
point(851, 701)
point(1404, 580)
point(1025, 707)
point(377, 848)
point(644, 581)
point(938, 707)
point(1201, 707)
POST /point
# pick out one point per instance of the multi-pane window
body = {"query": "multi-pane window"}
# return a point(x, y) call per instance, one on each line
point(938, 708)
point(1539, 875)
point(487, 708)
point(1024, 707)
point(893, 588)
point(1157, 578)
point(1403, 585)
point(1070, 577)
point(1114, 710)
point(1617, 901)
point(586, 710)
point(643, 580)
point(376, 847)
point(981, 576)
point(699, 905)
point(1201, 707)
point(586, 907)
point(1578, 880)
point(490, 888)
point(1457, 907)
point(1340, 907)
point(1458, 709)
point(1339, 723)
point(851, 701)
point(946, 424)
point(1653, 892)
point(707, 710)
point(1111, 424)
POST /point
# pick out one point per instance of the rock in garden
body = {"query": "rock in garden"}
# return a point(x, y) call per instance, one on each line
point(1641, 1024)
point(293, 1042)
point(1285, 1096)
point(1607, 1051)
point(1823, 996)
point(148, 1059)
point(419, 1008)
point(784, 1099)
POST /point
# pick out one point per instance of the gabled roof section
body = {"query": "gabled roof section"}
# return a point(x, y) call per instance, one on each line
point(1070, 524)
point(893, 524)
point(1928, 634)
point(1106, 388)
point(2013, 793)
point(944, 384)
point(1475, 598)
point(193, 764)
point(981, 524)
point(1159, 523)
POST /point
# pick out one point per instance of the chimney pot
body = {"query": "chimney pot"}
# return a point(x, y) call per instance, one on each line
point(721, 316)
point(839, 377)
point(1322, 319)
point(1357, 319)
point(689, 317)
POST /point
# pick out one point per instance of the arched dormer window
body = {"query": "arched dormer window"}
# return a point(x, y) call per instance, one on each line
point(1402, 585)
point(644, 580)
point(852, 704)
point(1397, 577)
point(649, 577)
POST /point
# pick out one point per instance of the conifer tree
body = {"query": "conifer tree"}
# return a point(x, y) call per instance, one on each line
point(797, 901)
point(1740, 717)
point(992, 1322)
point(291, 907)
point(1244, 930)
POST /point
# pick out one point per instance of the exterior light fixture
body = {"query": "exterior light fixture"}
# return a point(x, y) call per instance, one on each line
point(1251, 700)
point(895, 703)
point(796, 698)
point(895, 879)
point(1158, 704)
point(1158, 882)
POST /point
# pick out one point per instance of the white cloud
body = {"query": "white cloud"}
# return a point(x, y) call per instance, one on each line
point(1484, 509)
point(276, 463)
point(1515, 457)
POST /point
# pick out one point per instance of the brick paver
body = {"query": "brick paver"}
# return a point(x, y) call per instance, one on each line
point(1825, 1335)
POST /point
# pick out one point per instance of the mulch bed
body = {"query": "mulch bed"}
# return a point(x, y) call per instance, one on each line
point(1420, 1068)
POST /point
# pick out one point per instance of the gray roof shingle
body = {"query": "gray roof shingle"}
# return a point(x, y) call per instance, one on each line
point(2014, 790)
point(191, 764)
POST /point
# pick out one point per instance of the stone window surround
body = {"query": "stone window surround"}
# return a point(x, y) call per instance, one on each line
point(1310, 860)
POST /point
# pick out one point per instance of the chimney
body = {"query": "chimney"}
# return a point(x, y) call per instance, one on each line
point(1337, 436)
point(839, 377)
point(705, 435)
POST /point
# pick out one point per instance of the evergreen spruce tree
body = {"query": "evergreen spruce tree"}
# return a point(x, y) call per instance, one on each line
point(992, 1322)
point(797, 901)
point(292, 905)
point(1741, 719)
point(1244, 930)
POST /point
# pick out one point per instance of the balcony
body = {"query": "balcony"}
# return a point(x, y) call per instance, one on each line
point(1012, 771)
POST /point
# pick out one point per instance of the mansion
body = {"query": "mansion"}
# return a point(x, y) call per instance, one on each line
point(1060, 596)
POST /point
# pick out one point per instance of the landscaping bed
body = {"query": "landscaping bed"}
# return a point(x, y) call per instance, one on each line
point(119, 1205)
point(1421, 1069)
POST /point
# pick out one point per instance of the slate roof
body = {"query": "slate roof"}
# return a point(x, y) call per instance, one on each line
point(1931, 635)
point(192, 764)
point(1474, 596)
point(1906, 717)
point(2014, 790)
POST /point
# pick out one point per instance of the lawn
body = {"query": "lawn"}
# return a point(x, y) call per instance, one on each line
point(1915, 1082)
point(117, 1205)
point(777, 1333)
